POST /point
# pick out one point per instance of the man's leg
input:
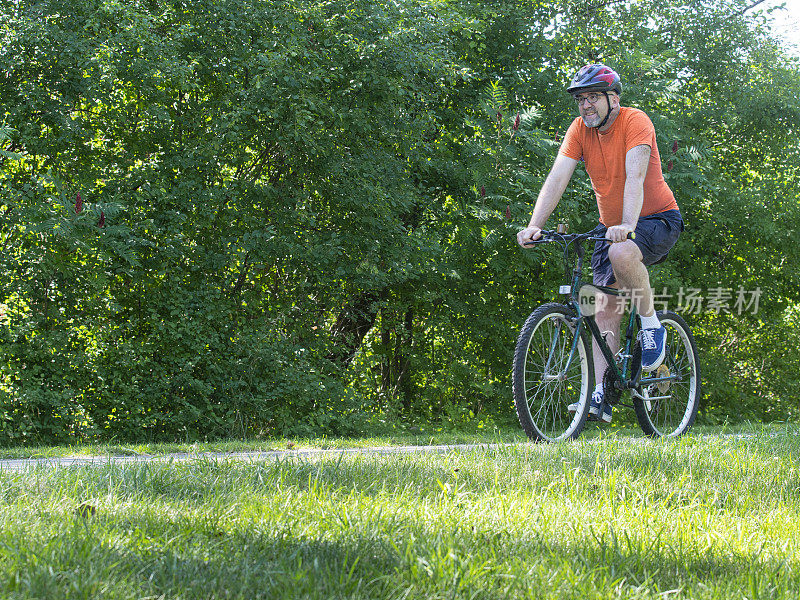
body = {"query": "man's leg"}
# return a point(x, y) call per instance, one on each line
point(608, 317)
point(631, 274)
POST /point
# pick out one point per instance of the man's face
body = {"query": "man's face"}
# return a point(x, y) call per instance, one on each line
point(593, 107)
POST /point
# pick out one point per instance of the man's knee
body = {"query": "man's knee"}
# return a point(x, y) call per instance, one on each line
point(624, 254)
point(626, 260)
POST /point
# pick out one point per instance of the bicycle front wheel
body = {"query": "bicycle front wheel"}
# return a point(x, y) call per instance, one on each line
point(669, 407)
point(552, 370)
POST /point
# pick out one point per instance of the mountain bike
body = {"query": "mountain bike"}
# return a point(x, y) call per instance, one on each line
point(553, 366)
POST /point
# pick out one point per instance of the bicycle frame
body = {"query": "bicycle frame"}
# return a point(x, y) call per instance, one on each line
point(622, 374)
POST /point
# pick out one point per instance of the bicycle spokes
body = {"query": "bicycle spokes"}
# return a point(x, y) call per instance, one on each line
point(669, 398)
point(551, 374)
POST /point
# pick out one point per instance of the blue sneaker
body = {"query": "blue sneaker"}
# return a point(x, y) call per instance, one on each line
point(653, 347)
point(598, 409)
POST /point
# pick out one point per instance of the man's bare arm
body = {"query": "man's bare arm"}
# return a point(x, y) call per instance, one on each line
point(637, 160)
point(551, 192)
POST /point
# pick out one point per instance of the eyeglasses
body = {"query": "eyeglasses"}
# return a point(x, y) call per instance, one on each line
point(592, 98)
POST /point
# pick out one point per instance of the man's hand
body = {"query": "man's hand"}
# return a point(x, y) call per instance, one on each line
point(530, 233)
point(619, 233)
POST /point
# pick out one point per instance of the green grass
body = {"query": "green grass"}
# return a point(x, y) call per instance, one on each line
point(407, 436)
point(620, 516)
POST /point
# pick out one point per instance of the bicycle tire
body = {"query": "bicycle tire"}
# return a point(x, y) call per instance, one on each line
point(675, 415)
point(541, 398)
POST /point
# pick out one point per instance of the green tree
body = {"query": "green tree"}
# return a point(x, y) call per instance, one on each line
point(228, 216)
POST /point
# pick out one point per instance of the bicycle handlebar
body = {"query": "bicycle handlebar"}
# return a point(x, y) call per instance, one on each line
point(554, 236)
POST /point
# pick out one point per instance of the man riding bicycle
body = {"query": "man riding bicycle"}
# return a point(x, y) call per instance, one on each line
point(618, 147)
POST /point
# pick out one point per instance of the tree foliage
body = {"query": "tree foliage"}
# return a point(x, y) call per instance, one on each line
point(230, 216)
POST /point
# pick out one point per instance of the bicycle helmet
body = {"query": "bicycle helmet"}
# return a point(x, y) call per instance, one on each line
point(596, 78)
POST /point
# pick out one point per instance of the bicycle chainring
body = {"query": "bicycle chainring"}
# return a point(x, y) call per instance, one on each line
point(610, 393)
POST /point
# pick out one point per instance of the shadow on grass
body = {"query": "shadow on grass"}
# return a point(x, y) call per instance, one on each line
point(124, 556)
point(149, 557)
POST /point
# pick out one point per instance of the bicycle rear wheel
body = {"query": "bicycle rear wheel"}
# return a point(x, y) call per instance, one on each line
point(670, 408)
point(552, 369)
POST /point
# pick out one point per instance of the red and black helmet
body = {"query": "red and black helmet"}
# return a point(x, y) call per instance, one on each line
point(595, 78)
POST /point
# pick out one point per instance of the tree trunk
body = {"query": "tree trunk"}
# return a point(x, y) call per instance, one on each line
point(353, 323)
point(403, 362)
point(396, 363)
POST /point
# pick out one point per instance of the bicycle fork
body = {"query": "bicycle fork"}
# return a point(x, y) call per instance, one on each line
point(562, 373)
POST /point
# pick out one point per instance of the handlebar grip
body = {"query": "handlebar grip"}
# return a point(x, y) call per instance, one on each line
point(631, 236)
point(544, 236)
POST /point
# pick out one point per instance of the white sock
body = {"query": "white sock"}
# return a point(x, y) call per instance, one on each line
point(598, 389)
point(650, 322)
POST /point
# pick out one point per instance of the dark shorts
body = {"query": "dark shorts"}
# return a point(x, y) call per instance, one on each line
point(655, 236)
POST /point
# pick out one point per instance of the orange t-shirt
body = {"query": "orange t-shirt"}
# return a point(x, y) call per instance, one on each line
point(604, 156)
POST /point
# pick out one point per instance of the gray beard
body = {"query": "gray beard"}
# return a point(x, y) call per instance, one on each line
point(592, 121)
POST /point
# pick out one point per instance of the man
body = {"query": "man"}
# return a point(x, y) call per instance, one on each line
point(618, 147)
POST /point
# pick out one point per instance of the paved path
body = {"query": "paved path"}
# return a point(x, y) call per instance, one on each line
point(23, 464)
